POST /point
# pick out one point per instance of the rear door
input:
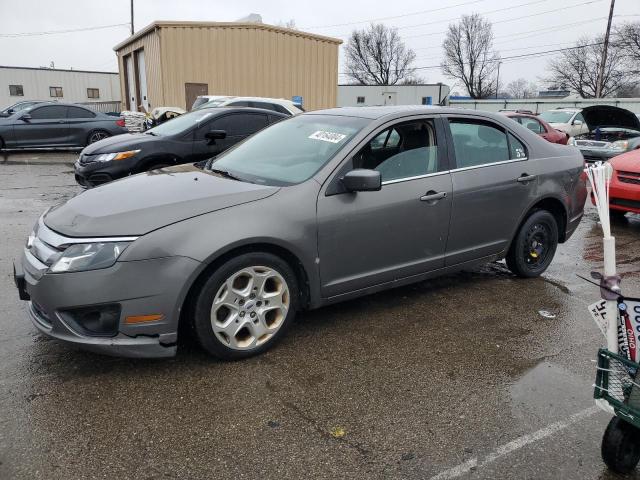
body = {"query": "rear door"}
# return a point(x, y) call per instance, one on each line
point(47, 127)
point(81, 122)
point(493, 184)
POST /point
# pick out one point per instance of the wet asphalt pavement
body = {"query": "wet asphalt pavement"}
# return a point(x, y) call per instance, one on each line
point(459, 377)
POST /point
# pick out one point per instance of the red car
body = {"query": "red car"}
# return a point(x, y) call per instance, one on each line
point(539, 126)
point(624, 189)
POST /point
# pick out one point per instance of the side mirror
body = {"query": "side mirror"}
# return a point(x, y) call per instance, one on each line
point(214, 135)
point(26, 117)
point(362, 180)
point(577, 122)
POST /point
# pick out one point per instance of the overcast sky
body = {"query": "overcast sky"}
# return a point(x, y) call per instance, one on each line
point(549, 25)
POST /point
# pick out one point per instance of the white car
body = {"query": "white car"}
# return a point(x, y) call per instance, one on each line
point(568, 120)
point(276, 104)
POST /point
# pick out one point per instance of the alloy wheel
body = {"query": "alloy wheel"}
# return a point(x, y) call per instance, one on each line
point(96, 136)
point(250, 307)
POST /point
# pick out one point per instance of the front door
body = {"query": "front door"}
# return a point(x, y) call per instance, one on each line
point(142, 80)
point(130, 84)
point(493, 185)
point(47, 126)
point(371, 238)
point(193, 91)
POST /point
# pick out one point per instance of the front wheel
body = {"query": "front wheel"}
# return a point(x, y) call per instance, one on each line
point(621, 446)
point(245, 306)
point(534, 245)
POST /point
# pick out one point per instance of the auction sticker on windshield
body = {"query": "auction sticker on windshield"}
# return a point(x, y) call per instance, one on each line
point(332, 137)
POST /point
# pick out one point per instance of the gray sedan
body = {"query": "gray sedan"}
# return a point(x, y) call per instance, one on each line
point(310, 211)
point(51, 125)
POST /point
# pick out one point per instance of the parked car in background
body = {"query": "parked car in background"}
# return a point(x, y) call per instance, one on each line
point(279, 105)
point(191, 137)
point(319, 208)
point(202, 99)
point(539, 127)
point(568, 120)
point(610, 132)
point(51, 125)
point(16, 107)
point(624, 189)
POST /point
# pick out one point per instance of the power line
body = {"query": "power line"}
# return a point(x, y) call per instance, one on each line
point(56, 32)
point(398, 16)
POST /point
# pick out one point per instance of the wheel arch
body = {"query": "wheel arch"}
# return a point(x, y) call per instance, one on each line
point(214, 262)
point(553, 205)
point(155, 158)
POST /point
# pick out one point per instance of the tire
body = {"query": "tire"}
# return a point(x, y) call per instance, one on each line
point(245, 306)
point(621, 446)
point(534, 245)
point(96, 136)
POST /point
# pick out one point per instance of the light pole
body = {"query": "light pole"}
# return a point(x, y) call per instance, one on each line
point(603, 60)
point(132, 17)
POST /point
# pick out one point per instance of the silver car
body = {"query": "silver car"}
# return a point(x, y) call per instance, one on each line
point(313, 210)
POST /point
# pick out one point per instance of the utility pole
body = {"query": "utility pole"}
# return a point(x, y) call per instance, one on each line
point(498, 80)
point(132, 17)
point(603, 60)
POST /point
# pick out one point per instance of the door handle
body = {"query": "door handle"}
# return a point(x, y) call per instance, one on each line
point(433, 196)
point(526, 178)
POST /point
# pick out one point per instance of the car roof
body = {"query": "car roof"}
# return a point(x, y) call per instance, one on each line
point(375, 113)
point(565, 109)
point(220, 110)
point(263, 99)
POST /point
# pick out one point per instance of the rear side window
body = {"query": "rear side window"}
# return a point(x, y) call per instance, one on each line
point(478, 143)
point(517, 150)
point(238, 124)
point(77, 112)
point(46, 113)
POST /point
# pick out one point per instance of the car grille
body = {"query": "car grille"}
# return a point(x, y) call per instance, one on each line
point(623, 202)
point(591, 143)
point(629, 177)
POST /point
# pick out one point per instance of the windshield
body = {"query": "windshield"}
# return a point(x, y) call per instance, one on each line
point(290, 151)
point(554, 116)
point(179, 125)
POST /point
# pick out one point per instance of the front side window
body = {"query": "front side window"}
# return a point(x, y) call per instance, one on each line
point(55, 91)
point(477, 142)
point(578, 118)
point(93, 93)
point(48, 113)
point(16, 90)
point(290, 151)
point(406, 150)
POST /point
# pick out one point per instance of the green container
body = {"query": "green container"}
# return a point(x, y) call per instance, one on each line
point(618, 382)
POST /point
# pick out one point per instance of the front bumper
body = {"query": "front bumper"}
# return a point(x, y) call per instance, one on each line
point(96, 173)
point(148, 287)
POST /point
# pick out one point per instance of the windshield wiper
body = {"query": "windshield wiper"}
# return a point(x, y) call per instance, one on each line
point(225, 174)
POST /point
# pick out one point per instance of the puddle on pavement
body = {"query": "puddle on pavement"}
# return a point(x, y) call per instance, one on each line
point(548, 393)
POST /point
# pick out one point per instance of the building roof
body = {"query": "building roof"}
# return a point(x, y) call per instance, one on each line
point(46, 69)
point(256, 26)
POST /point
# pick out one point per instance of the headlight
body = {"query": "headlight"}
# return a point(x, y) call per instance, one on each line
point(88, 256)
point(619, 146)
point(571, 141)
point(107, 157)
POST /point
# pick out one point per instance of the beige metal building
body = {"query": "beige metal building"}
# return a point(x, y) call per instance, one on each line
point(170, 63)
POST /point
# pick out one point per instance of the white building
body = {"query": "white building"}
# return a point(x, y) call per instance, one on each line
point(78, 86)
point(372, 95)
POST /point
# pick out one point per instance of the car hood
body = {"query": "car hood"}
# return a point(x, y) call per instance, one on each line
point(141, 203)
point(627, 162)
point(608, 116)
point(119, 143)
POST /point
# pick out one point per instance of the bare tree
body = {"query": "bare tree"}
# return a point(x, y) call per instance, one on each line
point(469, 55)
point(521, 88)
point(577, 68)
point(291, 23)
point(627, 38)
point(377, 56)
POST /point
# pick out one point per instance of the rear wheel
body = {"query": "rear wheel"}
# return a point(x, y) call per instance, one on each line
point(621, 446)
point(245, 306)
point(96, 136)
point(534, 246)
